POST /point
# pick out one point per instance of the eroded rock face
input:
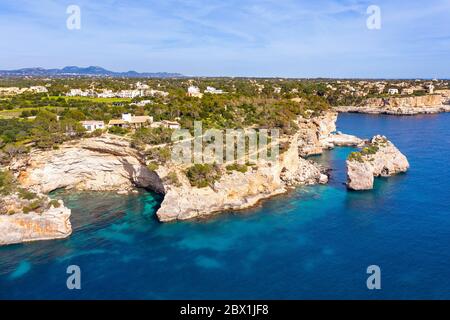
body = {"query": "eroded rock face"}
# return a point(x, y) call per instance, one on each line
point(99, 164)
point(379, 158)
point(108, 164)
point(314, 133)
point(401, 105)
point(17, 226)
point(237, 190)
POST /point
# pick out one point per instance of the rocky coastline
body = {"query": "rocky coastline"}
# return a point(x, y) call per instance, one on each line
point(108, 163)
point(428, 104)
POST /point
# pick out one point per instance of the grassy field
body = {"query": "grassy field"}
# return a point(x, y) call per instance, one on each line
point(15, 113)
point(104, 100)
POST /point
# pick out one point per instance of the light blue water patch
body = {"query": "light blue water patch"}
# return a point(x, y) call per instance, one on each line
point(208, 263)
point(23, 268)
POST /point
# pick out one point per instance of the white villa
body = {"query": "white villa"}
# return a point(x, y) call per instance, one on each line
point(194, 91)
point(393, 91)
point(213, 90)
point(130, 121)
point(92, 125)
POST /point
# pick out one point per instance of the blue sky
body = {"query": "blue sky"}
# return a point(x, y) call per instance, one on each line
point(289, 38)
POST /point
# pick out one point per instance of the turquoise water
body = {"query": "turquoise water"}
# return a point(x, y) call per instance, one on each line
point(314, 242)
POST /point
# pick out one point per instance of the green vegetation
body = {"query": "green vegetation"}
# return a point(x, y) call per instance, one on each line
point(152, 166)
point(172, 179)
point(237, 167)
point(34, 206)
point(54, 203)
point(7, 185)
point(118, 131)
point(366, 151)
point(152, 136)
point(203, 175)
point(372, 149)
point(356, 156)
point(159, 155)
point(27, 195)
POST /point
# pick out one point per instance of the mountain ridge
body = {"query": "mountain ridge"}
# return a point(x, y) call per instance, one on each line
point(94, 71)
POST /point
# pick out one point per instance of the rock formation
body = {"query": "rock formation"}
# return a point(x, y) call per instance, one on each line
point(401, 105)
point(101, 164)
point(238, 190)
point(108, 163)
point(314, 133)
point(20, 221)
point(378, 158)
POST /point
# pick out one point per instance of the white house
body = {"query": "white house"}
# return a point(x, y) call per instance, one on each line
point(194, 91)
point(213, 90)
point(92, 125)
point(38, 89)
point(130, 121)
point(171, 124)
point(393, 91)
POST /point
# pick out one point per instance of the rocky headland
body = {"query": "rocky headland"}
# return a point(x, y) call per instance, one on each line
point(28, 217)
point(427, 104)
point(109, 163)
point(379, 157)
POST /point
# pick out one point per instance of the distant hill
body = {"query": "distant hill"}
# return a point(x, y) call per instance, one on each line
point(87, 71)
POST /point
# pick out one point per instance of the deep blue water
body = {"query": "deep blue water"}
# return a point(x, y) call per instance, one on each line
point(315, 242)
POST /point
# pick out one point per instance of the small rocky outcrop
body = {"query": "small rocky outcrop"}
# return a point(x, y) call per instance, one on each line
point(40, 218)
point(340, 139)
point(378, 158)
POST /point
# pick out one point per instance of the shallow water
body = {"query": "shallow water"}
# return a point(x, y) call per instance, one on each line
point(314, 242)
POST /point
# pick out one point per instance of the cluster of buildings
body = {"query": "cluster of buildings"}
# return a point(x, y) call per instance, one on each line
point(129, 121)
point(139, 90)
point(363, 88)
point(194, 91)
point(15, 90)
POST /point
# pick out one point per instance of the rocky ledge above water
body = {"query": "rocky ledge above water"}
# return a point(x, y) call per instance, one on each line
point(379, 157)
point(40, 218)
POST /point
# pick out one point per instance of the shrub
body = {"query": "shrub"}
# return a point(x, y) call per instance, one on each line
point(203, 175)
point(6, 183)
point(27, 195)
point(356, 156)
point(152, 166)
point(172, 178)
point(237, 167)
point(54, 204)
point(33, 206)
point(118, 131)
point(152, 136)
point(160, 155)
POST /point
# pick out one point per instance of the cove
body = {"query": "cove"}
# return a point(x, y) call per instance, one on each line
point(312, 243)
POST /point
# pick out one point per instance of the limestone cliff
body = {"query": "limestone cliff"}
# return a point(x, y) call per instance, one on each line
point(434, 103)
point(101, 164)
point(238, 190)
point(379, 158)
point(21, 221)
point(314, 132)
